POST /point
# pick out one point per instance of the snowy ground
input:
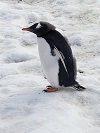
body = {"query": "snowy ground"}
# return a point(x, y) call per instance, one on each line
point(24, 108)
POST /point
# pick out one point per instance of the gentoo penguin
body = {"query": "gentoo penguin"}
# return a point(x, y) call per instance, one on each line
point(56, 57)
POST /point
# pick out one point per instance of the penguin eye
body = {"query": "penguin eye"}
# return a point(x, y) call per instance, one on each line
point(38, 26)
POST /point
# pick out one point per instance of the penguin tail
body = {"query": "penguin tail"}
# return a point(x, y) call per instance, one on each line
point(78, 87)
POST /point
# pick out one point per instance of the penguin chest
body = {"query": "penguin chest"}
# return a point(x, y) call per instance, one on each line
point(49, 62)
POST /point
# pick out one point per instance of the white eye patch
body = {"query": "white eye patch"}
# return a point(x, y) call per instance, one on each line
point(38, 26)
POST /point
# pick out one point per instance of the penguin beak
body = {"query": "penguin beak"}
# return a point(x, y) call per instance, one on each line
point(26, 29)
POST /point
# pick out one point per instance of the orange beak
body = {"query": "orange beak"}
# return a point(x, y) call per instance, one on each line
point(26, 29)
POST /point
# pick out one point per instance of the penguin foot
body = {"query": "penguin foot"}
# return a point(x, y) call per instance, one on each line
point(50, 89)
point(79, 87)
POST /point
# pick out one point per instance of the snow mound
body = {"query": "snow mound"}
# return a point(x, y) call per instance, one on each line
point(33, 17)
point(29, 38)
point(6, 70)
point(19, 55)
point(89, 1)
point(77, 39)
point(96, 47)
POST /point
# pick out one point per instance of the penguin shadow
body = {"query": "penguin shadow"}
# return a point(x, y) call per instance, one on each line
point(68, 90)
point(87, 98)
point(87, 101)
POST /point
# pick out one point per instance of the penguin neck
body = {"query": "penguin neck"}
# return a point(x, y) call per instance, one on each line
point(45, 34)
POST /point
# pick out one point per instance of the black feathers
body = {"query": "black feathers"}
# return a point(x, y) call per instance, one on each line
point(66, 73)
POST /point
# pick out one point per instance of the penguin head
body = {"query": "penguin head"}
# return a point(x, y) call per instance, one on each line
point(40, 28)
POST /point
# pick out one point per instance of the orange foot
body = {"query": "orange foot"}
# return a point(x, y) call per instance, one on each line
point(51, 89)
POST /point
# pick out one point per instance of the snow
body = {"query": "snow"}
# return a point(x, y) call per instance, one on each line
point(24, 107)
point(19, 55)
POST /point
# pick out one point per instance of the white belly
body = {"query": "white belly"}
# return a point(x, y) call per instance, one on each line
point(49, 62)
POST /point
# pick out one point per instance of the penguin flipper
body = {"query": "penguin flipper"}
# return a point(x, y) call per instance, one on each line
point(61, 57)
point(78, 87)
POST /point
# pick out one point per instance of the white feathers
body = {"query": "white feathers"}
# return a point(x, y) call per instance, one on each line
point(38, 26)
point(49, 62)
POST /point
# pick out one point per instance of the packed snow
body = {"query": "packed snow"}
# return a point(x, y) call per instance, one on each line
point(24, 107)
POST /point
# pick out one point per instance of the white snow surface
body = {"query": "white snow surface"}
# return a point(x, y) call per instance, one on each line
point(24, 107)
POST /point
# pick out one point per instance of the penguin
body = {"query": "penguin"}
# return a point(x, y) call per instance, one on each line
point(56, 57)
